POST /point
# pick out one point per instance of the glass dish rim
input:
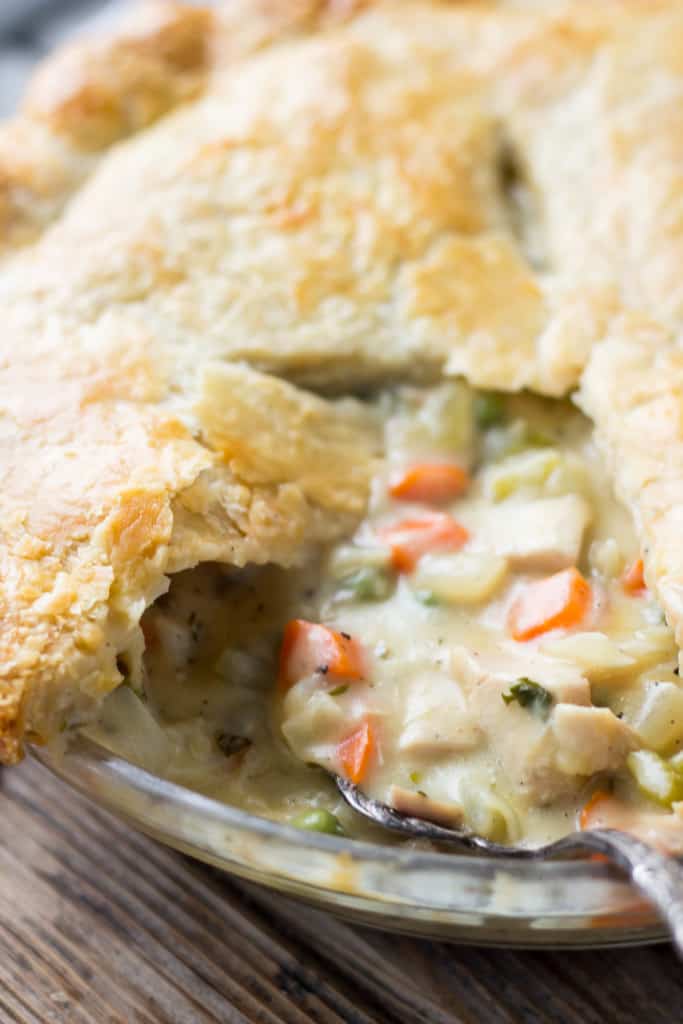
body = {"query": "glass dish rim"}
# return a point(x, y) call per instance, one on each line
point(113, 782)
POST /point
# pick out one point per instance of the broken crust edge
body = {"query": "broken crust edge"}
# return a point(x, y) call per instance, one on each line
point(61, 649)
point(632, 391)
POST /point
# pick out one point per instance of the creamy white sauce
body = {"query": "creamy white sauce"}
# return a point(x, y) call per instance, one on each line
point(436, 642)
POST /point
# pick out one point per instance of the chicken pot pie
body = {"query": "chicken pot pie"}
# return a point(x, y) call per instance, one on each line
point(299, 301)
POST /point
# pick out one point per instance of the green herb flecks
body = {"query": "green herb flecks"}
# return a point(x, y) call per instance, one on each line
point(338, 690)
point(368, 584)
point(231, 745)
point(489, 409)
point(530, 695)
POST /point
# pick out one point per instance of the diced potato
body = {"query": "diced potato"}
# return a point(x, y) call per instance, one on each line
point(595, 654)
point(417, 805)
point(527, 469)
point(465, 577)
point(659, 722)
point(313, 720)
point(655, 778)
point(649, 646)
point(605, 557)
point(544, 535)
point(441, 424)
point(350, 558)
point(590, 739)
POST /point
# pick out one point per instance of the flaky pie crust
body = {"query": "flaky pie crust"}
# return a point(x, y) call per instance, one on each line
point(208, 212)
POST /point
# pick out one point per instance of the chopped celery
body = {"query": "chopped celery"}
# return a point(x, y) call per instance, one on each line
point(489, 409)
point(570, 476)
point(317, 819)
point(515, 437)
point(368, 585)
point(426, 597)
point(655, 778)
point(490, 816)
point(526, 469)
point(351, 558)
point(467, 577)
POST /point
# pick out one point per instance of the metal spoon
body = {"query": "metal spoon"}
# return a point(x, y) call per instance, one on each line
point(658, 877)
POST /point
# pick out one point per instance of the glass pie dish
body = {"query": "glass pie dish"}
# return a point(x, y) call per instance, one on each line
point(468, 899)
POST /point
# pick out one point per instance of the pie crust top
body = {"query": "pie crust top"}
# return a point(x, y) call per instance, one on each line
point(213, 210)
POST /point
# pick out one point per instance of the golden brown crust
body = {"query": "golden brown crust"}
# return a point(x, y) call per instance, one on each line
point(88, 96)
point(361, 223)
point(110, 481)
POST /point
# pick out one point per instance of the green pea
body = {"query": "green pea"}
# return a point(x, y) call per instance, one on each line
point(317, 819)
point(489, 409)
point(369, 585)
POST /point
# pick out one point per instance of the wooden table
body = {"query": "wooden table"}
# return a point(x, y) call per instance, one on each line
point(100, 924)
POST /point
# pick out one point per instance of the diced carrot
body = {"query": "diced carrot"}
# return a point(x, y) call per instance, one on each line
point(308, 647)
point(431, 482)
point(355, 753)
point(587, 816)
point(556, 602)
point(409, 539)
point(633, 580)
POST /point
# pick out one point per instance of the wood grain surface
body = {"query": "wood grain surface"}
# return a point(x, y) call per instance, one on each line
point(100, 924)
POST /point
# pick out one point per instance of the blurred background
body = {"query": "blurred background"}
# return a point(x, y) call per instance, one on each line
point(31, 28)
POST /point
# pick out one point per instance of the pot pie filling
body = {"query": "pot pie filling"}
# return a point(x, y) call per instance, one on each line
point(483, 650)
point(487, 191)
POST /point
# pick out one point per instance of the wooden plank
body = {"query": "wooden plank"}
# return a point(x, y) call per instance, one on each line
point(100, 924)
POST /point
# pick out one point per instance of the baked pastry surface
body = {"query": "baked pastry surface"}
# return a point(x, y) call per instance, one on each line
point(391, 190)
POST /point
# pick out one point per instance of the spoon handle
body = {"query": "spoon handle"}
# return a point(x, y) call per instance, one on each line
point(657, 876)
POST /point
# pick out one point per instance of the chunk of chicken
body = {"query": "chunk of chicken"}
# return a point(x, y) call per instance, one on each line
point(590, 739)
point(416, 805)
point(521, 742)
point(547, 758)
point(544, 535)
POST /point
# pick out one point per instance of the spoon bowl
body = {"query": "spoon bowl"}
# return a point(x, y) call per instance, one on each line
point(658, 877)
